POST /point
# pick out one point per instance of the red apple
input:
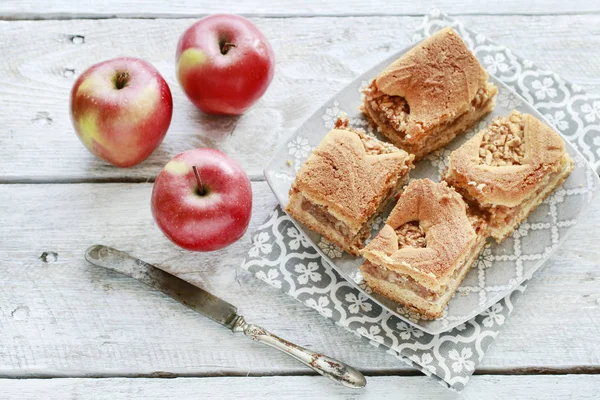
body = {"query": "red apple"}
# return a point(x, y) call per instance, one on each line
point(224, 64)
point(202, 200)
point(121, 110)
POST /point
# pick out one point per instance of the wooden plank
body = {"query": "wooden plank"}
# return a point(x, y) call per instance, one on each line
point(301, 387)
point(314, 61)
point(39, 54)
point(29, 9)
point(61, 317)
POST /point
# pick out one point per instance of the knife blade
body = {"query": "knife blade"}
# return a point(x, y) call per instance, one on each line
point(218, 310)
point(184, 292)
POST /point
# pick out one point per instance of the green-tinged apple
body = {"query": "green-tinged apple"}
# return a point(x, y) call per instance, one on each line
point(202, 200)
point(121, 110)
point(224, 64)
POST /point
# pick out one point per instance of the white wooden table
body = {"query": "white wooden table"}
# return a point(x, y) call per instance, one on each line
point(62, 319)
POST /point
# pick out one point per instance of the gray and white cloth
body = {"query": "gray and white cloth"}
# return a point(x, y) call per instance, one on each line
point(282, 257)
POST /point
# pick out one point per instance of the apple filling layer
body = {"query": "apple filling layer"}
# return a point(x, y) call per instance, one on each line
point(503, 220)
point(400, 280)
point(406, 282)
point(322, 214)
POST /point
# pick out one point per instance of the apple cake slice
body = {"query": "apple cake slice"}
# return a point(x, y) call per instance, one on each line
point(346, 181)
point(430, 240)
point(508, 169)
point(429, 95)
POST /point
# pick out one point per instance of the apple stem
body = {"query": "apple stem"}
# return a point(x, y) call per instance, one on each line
point(226, 47)
point(201, 190)
point(121, 79)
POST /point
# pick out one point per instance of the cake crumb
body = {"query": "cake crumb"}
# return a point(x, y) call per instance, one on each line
point(288, 162)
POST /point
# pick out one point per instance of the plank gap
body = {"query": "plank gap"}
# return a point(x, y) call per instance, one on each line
point(61, 17)
point(570, 370)
point(171, 375)
point(532, 371)
point(67, 181)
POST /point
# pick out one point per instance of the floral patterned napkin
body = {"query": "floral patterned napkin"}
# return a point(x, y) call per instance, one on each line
point(283, 258)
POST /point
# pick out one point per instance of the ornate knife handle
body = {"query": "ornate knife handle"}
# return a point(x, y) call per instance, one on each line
point(333, 369)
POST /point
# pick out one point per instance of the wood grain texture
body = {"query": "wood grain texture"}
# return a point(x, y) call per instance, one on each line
point(59, 316)
point(301, 387)
point(67, 318)
point(29, 9)
point(316, 57)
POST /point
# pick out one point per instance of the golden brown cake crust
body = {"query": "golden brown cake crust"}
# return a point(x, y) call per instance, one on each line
point(442, 214)
point(507, 185)
point(438, 78)
point(351, 183)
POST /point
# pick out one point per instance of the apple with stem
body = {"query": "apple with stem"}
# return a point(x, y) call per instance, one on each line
point(202, 200)
point(224, 64)
point(121, 110)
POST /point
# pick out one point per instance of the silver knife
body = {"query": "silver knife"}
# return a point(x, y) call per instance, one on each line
point(219, 311)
